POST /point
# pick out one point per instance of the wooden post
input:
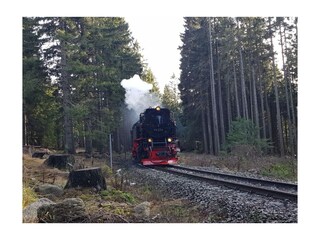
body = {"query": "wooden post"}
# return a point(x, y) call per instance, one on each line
point(110, 149)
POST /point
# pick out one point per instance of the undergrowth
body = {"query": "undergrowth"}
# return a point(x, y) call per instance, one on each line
point(117, 196)
point(29, 196)
point(285, 171)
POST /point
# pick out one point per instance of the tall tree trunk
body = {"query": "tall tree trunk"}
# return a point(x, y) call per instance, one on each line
point(255, 101)
point(68, 128)
point(236, 90)
point(275, 84)
point(294, 126)
point(229, 114)
point(204, 129)
point(222, 128)
point(88, 135)
point(216, 140)
point(269, 123)
point(285, 74)
point(250, 113)
point(243, 89)
point(291, 105)
point(264, 135)
point(209, 122)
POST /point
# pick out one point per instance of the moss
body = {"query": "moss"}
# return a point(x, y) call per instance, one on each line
point(87, 197)
point(117, 196)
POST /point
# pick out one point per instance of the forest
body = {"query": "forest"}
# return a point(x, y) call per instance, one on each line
point(238, 84)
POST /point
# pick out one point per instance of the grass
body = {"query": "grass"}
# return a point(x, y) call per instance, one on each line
point(278, 167)
point(29, 196)
point(286, 171)
point(117, 196)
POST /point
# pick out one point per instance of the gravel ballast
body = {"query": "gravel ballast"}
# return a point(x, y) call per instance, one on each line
point(226, 205)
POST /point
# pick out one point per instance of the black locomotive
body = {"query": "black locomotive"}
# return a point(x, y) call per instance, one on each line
point(154, 137)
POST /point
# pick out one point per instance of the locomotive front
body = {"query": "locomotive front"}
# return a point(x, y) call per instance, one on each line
point(154, 138)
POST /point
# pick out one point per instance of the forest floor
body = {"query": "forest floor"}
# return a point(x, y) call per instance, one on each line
point(117, 203)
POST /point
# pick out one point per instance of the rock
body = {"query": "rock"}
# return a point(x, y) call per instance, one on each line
point(142, 210)
point(50, 190)
point(71, 210)
point(30, 212)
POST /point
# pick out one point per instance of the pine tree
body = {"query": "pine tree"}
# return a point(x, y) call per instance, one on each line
point(87, 58)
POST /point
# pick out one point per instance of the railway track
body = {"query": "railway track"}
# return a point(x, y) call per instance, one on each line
point(274, 189)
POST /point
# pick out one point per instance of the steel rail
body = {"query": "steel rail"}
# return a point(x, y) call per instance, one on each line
point(235, 177)
point(235, 185)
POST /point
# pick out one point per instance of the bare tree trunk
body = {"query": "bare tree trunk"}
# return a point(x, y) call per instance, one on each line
point(204, 129)
point(229, 115)
point(209, 124)
point(236, 90)
point(216, 139)
point(88, 136)
point(275, 83)
point(255, 101)
point(243, 89)
point(250, 113)
point(68, 129)
point(268, 116)
point(222, 128)
point(285, 74)
point(264, 135)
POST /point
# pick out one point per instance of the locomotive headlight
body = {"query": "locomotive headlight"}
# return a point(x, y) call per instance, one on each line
point(158, 108)
point(149, 140)
point(169, 140)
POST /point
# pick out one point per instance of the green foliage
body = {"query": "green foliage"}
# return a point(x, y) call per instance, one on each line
point(117, 196)
point(106, 171)
point(243, 79)
point(286, 171)
point(147, 76)
point(171, 97)
point(99, 53)
point(244, 132)
point(40, 107)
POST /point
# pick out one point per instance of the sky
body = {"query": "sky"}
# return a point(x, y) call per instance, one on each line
point(159, 39)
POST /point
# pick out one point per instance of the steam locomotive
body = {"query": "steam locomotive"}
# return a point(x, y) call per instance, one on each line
point(154, 138)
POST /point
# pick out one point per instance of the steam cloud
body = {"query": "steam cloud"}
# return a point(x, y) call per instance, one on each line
point(138, 97)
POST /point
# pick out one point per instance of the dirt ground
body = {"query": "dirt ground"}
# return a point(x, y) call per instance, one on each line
point(114, 205)
point(117, 203)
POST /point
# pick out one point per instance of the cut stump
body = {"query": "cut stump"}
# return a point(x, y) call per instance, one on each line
point(60, 161)
point(87, 177)
point(38, 154)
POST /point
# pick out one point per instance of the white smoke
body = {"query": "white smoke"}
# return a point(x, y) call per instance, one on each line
point(138, 96)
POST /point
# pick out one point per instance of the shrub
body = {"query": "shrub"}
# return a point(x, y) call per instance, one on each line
point(244, 133)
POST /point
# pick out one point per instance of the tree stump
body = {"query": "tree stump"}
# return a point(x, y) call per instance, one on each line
point(38, 154)
point(60, 161)
point(87, 177)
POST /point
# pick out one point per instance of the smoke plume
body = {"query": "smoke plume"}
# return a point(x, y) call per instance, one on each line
point(138, 96)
